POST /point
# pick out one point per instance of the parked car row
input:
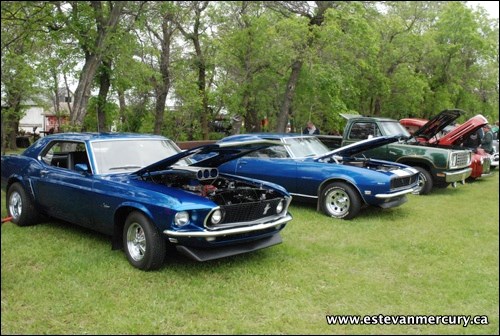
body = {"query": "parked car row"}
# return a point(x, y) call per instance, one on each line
point(465, 135)
point(438, 166)
point(209, 201)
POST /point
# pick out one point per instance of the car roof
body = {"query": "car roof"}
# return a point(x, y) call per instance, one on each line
point(270, 136)
point(89, 136)
point(34, 149)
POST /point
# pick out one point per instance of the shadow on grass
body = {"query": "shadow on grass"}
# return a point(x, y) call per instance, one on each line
point(74, 235)
point(365, 212)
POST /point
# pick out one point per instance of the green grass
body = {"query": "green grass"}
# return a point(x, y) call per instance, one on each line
point(436, 254)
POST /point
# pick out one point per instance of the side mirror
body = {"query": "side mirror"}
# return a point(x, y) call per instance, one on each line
point(82, 168)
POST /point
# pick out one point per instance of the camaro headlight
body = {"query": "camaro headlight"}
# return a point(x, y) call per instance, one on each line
point(181, 218)
point(216, 217)
point(279, 207)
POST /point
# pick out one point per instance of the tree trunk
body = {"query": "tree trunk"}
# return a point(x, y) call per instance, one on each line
point(93, 58)
point(102, 97)
point(252, 122)
point(123, 107)
point(12, 120)
point(377, 111)
point(204, 112)
point(82, 92)
point(164, 86)
point(286, 107)
point(315, 20)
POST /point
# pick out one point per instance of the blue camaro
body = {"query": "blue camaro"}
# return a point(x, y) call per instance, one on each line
point(340, 181)
point(146, 193)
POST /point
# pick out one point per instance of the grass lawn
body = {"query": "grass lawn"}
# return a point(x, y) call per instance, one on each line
point(434, 255)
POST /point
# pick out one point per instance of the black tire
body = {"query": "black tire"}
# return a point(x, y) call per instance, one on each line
point(425, 183)
point(144, 246)
point(340, 200)
point(20, 206)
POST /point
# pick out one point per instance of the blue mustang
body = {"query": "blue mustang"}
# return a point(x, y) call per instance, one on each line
point(147, 194)
point(340, 181)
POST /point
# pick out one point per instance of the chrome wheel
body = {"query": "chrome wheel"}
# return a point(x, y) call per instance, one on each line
point(422, 180)
point(337, 202)
point(15, 205)
point(20, 206)
point(136, 242)
point(425, 183)
point(143, 243)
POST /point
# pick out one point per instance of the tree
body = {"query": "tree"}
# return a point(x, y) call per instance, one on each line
point(161, 33)
point(193, 12)
point(22, 23)
point(93, 25)
point(315, 15)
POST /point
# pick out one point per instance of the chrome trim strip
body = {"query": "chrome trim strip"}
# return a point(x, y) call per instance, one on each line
point(208, 234)
point(249, 142)
point(302, 195)
point(396, 194)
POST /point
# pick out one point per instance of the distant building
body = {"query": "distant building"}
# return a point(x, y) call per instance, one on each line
point(42, 120)
point(54, 119)
point(33, 119)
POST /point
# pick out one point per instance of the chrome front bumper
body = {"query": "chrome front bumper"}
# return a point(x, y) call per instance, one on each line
point(396, 194)
point(457, 175)
point(228, 232)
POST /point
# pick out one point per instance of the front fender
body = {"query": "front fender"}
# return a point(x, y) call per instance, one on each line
point(134, 205)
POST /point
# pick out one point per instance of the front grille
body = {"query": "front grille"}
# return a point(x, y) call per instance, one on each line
point(460, 159)
point(244, 213)
point(405, 181)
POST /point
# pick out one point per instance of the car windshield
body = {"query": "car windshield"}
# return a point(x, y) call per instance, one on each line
point(393, 128)
point(118, 156)
point(306, 146)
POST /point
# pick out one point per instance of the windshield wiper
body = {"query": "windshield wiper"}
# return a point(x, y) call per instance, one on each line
point(125, 167)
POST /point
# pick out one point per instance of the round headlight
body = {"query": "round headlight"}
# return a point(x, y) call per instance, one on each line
point(279, 207)
point(181, 218)
point(216, 217)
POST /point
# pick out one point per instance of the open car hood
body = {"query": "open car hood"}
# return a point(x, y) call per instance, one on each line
point(438, 123)
point(212, 155)
point(460, 133)
point(361, 146)
point(415, 122)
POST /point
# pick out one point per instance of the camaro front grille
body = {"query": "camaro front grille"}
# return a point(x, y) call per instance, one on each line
point(244, 213)
point(404, 181)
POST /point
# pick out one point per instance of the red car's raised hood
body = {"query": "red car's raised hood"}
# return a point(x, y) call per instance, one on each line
point(460, 133)
point(438, 123)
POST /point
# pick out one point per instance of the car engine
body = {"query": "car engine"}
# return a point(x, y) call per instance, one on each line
point(207, 182)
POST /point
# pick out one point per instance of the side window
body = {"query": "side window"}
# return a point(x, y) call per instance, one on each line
point(363, 130)
point(270, 152)
point(376, 130)
point(65, 154)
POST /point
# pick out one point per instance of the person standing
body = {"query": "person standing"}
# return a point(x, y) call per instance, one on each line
point(310, 129)
point(487, 141)
point(494, 130)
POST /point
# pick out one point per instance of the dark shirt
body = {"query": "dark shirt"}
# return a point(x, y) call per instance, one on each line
point(308, 131)
point(487, 142)
point(473, 140)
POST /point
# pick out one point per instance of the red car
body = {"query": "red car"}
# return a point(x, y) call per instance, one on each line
point(437, 134)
